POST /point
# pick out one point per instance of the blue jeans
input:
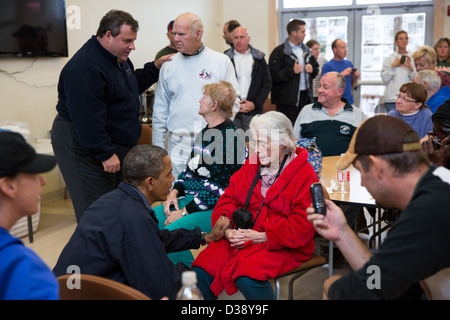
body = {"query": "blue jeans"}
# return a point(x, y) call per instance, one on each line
point(251, 289)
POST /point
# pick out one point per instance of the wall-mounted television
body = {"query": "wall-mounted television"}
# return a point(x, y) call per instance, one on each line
point(33, 28)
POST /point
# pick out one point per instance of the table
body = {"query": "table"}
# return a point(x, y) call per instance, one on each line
point(358, 194)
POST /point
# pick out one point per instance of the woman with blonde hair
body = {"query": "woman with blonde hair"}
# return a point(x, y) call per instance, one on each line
point(425, 58)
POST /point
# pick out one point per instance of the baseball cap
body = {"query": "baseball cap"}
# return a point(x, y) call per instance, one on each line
point(381, 134)
point(170, 26)
point(17, 156)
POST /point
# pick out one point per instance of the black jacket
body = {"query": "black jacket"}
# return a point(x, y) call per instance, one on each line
point(118, 238)
point(261, 79)
point(101, 100)
point(285, 83)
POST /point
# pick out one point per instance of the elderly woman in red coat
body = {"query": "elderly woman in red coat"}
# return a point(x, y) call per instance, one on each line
point(281, 237)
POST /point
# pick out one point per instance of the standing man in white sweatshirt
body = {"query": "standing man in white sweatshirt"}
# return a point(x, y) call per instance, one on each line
point(180, 87)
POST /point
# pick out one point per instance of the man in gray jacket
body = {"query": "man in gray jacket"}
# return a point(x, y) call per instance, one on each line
point(253, 77)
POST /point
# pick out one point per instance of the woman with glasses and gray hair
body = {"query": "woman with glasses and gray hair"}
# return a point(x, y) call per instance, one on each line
point(277, 236)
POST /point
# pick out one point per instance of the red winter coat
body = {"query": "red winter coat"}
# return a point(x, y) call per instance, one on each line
point(283, 218)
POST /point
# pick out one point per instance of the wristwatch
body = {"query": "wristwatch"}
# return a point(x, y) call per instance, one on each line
point(184, 212)
point(203, 242)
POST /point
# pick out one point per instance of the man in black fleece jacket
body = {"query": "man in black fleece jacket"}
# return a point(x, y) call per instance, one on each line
point(98, 109)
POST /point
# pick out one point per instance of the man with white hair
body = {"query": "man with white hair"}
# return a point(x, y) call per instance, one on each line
point(436, 95)
point(175, 110)
point(332, 120)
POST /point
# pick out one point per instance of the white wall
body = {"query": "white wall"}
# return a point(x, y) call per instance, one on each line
point(32, 96)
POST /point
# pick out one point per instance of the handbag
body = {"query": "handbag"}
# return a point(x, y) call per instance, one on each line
point(242, 217)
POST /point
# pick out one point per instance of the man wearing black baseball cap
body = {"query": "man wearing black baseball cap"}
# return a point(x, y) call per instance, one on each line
point(397, 173)
point(23, 275)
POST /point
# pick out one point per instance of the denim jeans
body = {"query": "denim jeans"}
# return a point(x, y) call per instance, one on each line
point(251, 289)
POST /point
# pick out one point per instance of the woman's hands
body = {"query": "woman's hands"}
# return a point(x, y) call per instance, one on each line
point(239, 237)
point(172, 199)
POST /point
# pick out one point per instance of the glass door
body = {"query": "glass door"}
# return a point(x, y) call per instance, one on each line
point(324, 27)
point(376, 41)
point(369, 32)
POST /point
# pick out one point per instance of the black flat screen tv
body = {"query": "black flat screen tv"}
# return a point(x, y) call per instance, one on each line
point(33, 28)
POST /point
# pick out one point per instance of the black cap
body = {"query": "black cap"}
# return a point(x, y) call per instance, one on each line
point(442, 112)
point(17, 156)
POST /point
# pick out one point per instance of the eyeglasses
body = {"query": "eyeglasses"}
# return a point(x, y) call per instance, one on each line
point(259, 144)
point(440, 133)
point(402, 97)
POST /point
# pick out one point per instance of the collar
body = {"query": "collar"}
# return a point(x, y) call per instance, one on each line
point(128, 188)
point(223, 125)
point(200, 50)
point(347, 106)
point(108, 55)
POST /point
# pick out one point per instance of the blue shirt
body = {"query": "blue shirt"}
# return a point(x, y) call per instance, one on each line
point(438, 98)
point(420, 121)
point(339, 66)
point(23, 275)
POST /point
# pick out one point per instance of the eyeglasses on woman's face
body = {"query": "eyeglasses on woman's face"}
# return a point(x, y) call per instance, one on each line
point(403, 98)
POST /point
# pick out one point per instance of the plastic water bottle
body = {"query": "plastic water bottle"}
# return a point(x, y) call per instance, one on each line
point(343, 178)
point(189, 290)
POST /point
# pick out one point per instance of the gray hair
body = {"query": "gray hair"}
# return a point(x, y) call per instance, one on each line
point(279, 129)
point(196, 22)
point(142, 162)
point(340, 80)
point(431, 77)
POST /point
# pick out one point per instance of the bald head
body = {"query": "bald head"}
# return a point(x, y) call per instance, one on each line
point(240, 39)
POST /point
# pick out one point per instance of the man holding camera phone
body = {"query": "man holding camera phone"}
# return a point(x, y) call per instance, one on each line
point(397, 174)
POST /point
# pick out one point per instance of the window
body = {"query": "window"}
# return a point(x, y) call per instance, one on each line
point(317, 3)
point(368, 27)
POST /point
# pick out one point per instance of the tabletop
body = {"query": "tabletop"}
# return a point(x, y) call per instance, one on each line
point(358, 195)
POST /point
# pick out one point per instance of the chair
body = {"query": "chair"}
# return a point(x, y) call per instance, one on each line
point(308, 265)
point(146, 135)
point(97, 288)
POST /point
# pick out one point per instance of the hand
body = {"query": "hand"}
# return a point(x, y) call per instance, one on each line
point(409, 63)
point(396, 62)
point(246, 106)
point(356, 74)
point(436, 156)
point(298, 68)
point(346, 72)
point(330, 226)
point(219, 229)
point(309, 68)
point(238, 238)
point(160, 61)
point(172, 199)
point(112, 165)
point(174, 216)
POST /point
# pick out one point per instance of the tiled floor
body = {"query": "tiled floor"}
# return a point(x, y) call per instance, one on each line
point(57, 223)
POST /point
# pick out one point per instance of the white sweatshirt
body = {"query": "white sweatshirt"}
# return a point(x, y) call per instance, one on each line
point(180, 88)
point(394, 78)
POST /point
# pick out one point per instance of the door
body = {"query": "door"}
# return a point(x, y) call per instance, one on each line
point(369, 32)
